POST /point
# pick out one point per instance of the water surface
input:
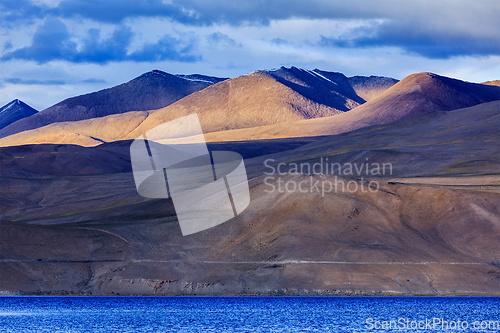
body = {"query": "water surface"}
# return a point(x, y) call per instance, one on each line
point(246, 314)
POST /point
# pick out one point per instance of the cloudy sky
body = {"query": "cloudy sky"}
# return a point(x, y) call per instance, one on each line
point(54, 49)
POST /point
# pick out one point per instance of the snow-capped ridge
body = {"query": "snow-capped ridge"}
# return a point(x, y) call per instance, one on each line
point(14, 111)
point(321, 76)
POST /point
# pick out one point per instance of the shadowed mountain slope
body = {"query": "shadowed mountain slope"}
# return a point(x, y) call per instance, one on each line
point(367, 87)
point(15, 111)
point(329, 88)
point(150, 91)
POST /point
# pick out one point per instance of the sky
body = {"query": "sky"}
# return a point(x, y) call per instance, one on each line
point(54, 49)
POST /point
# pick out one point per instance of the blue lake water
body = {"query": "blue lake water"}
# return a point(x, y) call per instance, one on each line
point(248, 314)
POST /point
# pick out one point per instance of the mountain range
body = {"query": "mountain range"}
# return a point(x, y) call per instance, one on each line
point(277, 104)
point(72, 222)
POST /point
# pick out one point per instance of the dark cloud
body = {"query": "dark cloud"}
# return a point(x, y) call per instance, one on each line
point(202, 12)
point(407, 25)
point(115, 11)
point(34, 81)
point(103, 51)
point(415, 39)
point(182, 11)
point(167, 48)
point(12, 11)
point(52, 41)
point(192, 12)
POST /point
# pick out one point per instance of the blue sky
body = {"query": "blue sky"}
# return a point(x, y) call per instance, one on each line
point(54, 49)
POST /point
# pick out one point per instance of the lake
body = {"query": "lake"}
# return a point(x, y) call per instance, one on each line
point(249, 314)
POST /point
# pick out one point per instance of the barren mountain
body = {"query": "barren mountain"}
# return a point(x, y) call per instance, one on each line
point(262, 98)
point(150, 91)
point(431, 228)
point(15, 111)
point(367, 87)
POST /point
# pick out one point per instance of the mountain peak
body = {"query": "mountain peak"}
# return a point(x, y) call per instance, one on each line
point(156, 72)
point(448, 93)
point(189, 78)
point(154, 75)
point(14, 111)
point(423, 75)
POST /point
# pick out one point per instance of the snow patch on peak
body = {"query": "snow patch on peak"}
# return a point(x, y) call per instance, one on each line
point(155, 72)
point(322, 77)
point(8, 106)
point(197, 78)
point(16, 107)
point(269, 71)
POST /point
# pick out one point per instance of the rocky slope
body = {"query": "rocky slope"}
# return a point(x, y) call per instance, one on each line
point(367, 87)
point(14, 111)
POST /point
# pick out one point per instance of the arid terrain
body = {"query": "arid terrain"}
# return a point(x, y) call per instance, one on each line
point(72, 222)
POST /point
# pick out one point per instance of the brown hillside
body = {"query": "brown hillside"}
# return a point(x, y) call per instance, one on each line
point(492, 83)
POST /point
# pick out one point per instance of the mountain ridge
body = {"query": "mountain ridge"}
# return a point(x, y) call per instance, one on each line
point(255, 99)
point(416, 94)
